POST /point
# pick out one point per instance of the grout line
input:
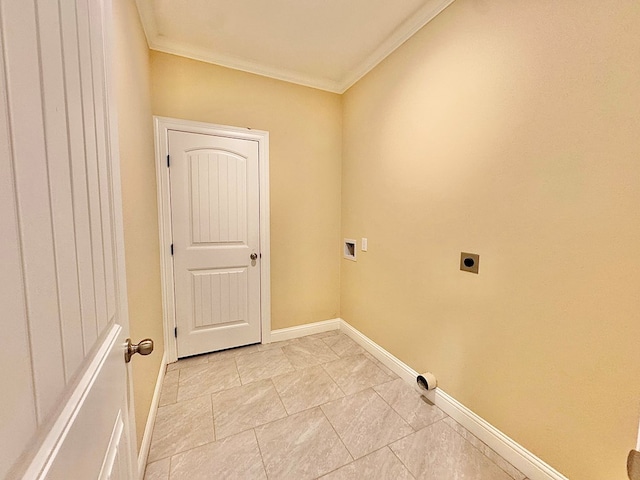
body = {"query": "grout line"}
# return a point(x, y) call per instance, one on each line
point(339, 437)
point(213, 417)
point(479, 450)
point(264, 465)
point(399, 459)
point(170, 456)
point(177, 386)
point(441, 420)
point(333, 380)
point(187, 449)
point(235, 362)
point(391, 406)
point(279, 397)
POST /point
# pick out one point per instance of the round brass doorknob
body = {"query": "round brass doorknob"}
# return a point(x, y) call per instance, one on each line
point(145, 347)
point(253, 256)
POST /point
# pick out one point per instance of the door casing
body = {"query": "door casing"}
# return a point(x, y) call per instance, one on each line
point(162, 126)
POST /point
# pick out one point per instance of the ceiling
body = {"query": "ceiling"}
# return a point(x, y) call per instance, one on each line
point(326, 44)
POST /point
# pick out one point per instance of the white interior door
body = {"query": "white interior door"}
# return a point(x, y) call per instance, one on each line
point(216, 237)
point(66, 411)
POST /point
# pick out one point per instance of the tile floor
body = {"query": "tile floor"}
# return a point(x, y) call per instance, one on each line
point(313, 407)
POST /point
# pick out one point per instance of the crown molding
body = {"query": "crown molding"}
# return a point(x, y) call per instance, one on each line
point(405, 31)
point(147, 19)
point(161, 44)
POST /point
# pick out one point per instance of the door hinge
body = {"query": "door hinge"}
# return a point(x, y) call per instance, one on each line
point(172, 249)
point(175, 332)
point(168, 161)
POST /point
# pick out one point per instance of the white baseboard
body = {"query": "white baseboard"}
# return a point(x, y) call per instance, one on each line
point(521, 458)
point(303, 330)
point(151, 419)
point(392, 363)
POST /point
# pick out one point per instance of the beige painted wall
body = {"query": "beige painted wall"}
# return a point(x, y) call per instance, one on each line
point(138, 174)
point(509, 129)
point(304, 127)
point(503, 128)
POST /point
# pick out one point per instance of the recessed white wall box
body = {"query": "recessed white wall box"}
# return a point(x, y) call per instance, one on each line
point(350, 249)
point(364, 244)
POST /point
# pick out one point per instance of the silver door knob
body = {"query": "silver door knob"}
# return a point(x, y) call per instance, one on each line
point(145, 347)
point(633, 465)
point(253, 256)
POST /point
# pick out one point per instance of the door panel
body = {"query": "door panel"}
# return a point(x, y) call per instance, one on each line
point(220, 297)
point(218, 197)
point(114, 467)
point(57, 149)
point(63, 292)
point(215, 220)
point(77, 114)
point(32, 198)
point(18, 422)
point(89, 444)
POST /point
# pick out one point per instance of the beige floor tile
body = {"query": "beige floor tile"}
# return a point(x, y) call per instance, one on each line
point(329, 333)
point(246, 407)
point(236, 457)
point(379, 465)
point(409, 404)
point(308, 352)
point(169, 392)
point(231, 353)
point(438, 452)
point(262, 365)
point(380, 365)
point(171, 378)
point(181, 426)
point(302, 446)
point(187, 362)
point(512, 471)
point(207, 378)
point(365, 422)
point(343, 346)
point(255, 387)
point(271, 346)
point(356, 373)
point(304, 389)
point(157, 470)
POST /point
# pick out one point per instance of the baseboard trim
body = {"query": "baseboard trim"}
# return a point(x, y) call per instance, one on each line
point(303, 330)
point(151, 419)
point(521, 458)
point(388, 360)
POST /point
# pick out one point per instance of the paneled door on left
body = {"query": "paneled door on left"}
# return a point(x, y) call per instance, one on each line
point(65, 407)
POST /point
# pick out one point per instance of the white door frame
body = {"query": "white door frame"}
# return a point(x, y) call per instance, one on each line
point(162, 127)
